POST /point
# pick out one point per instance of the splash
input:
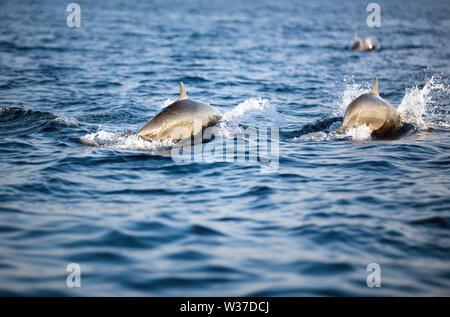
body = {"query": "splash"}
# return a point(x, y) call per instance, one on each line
point(254, 112)
point(351, 92)
point(248, 109)
point(359, 133)
point(426, 107)
point(126, 140)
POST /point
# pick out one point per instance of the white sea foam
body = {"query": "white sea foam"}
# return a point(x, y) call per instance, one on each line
point(314, 137)
point(359, 133)
point(122, 141)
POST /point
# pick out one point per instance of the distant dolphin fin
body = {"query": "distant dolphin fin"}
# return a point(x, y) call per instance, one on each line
point(182, 92)
point(375, 86)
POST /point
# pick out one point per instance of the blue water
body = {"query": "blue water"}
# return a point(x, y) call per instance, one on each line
point(78, 186)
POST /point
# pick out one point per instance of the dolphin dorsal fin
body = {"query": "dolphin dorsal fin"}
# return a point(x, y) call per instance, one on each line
point(375, 86)
point(182, 92)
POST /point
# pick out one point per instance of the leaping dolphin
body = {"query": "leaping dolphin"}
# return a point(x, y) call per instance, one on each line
point(375, 112)
point(180, 120)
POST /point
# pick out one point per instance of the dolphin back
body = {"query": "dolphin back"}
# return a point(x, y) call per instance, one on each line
point(180, 120)
point(363, 45)
point(372, 110)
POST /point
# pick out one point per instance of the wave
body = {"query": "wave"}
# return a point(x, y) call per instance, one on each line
point(25, 122)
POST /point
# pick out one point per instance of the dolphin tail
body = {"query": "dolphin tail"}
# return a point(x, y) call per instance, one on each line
point(182, 92)
point(375, 86)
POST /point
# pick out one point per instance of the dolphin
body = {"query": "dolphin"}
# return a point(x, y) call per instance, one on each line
point(362, 45)
point(180, 120)
point(375, 112)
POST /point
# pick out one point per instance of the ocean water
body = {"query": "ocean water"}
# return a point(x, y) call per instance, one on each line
point(78, 186)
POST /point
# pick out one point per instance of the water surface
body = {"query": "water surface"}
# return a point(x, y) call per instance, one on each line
point(78, 185)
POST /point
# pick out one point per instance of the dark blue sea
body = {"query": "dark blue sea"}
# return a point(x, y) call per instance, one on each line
point(77, 185)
